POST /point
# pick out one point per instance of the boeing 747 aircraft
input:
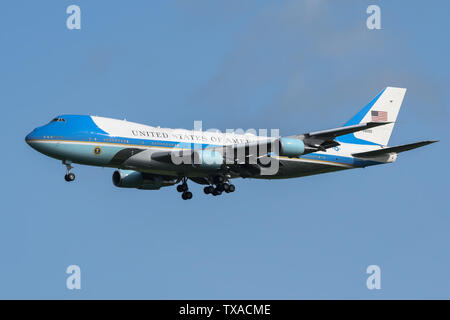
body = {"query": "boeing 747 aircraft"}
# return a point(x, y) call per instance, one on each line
point(149, 157)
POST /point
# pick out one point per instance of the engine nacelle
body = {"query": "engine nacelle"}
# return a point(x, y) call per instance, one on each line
point(207, 159)
point(139, 180)
point(291, 147)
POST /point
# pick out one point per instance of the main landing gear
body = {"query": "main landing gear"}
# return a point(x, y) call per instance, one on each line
point(184, 189)
point(219, 185)
point(69, 175)
point(222, 185)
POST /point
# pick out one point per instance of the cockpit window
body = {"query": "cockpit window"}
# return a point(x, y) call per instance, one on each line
point(58, 120)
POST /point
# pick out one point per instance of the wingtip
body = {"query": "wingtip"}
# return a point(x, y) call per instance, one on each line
point(427, 142)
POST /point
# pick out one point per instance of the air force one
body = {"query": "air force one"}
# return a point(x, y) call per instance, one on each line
point(148, 157)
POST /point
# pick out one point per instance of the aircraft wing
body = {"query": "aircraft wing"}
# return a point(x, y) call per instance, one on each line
point(322, 140)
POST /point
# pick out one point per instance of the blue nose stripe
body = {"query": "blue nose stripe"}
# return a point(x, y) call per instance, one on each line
point(74, 127)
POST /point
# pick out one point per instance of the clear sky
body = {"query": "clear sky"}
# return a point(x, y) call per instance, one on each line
point(294, 65)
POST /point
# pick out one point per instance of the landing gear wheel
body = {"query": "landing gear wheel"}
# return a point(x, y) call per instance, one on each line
point(186, 195)
point(208, 189)
point(182, 187)
point(226, 187)
point(69, 177)
point(231, 188)
point(216, 192)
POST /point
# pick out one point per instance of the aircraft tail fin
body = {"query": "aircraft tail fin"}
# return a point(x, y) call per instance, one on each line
point(383, 108)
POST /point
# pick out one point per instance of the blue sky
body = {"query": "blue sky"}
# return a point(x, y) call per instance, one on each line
point(295, 65)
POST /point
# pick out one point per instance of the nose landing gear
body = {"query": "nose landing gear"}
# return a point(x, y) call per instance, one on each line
point(69, 175)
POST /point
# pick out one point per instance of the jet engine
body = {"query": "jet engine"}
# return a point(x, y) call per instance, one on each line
point(140, 180)
point(290, 147)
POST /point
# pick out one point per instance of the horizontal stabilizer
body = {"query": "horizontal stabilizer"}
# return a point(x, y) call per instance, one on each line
point(396, 149)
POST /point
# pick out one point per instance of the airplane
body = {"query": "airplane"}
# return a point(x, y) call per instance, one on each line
point(148, 157)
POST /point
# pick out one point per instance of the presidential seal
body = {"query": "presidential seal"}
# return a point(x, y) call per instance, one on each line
point(97, 151)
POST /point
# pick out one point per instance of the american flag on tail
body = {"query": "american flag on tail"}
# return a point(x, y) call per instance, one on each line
point(379, 116)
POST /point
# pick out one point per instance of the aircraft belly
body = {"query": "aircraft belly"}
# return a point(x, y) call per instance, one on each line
point(289, 168)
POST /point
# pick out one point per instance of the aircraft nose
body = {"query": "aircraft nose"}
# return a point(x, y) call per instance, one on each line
point(30, 136)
